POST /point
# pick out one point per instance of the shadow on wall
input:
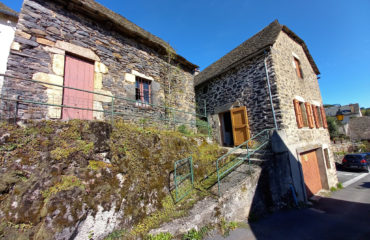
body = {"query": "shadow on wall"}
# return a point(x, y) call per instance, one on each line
point(281, 183)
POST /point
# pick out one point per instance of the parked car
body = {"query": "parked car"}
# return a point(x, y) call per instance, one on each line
point(357, 161)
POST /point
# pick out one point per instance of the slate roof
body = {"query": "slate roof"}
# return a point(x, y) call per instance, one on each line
point(260, 41)
point(106, 16)
point(6, 8)
point(8, 12)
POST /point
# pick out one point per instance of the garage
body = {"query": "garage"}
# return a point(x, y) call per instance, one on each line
point(311, 172)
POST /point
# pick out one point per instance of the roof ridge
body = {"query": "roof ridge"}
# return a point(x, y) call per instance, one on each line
point(265, 37)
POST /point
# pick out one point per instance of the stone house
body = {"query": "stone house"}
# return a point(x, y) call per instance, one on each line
point(81, 44)
point(8, 21)
point(270, 81)
point(349, 111)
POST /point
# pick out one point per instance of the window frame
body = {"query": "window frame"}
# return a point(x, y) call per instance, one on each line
point(298, 67)
point(143, 96)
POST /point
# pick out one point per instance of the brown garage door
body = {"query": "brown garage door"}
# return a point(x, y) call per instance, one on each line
point(311, 172)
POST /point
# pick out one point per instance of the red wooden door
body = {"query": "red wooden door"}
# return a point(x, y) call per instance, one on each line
point(79, 74)
point(311, 173)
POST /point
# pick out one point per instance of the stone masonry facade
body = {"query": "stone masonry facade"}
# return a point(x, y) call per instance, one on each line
point(47, 31)
point(289, 87)
point(245, 85)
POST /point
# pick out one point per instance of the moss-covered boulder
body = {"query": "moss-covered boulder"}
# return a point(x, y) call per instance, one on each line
point(81, 179)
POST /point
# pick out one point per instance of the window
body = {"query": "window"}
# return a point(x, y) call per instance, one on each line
point(298, 68)
point(304, 114)
point(143, 91)
point(319, 116)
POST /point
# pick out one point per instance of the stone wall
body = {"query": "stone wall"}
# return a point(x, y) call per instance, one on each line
point(290, 87)
point(245, 85)
point(46, 32)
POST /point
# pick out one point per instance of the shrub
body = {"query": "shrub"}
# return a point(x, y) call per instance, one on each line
point(160, 236)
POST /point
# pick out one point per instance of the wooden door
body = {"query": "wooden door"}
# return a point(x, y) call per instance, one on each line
point(79, 74)
point(311, 173)
point(240, 125)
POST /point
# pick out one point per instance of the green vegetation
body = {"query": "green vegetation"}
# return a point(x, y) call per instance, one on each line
point(333, 125)
point(66, 183)
point(160, 236)
point(60, 168)
point(364, 146)
point(196, 235)
point(184, 130)
point(226, 227)
point(365, 112)
point(339, 185)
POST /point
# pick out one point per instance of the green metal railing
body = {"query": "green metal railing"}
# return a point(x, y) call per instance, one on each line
point(170, 114)
point(252, 145)
point(185, 167)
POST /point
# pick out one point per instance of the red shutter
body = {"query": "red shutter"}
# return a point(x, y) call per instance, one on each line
point(309, 115)
point(316, 116)
point(298, 113)
point(323, 117)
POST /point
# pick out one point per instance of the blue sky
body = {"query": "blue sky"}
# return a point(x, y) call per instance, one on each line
point(337, 33)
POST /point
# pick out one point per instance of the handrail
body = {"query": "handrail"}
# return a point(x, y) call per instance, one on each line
point(101, 94)
point(220, 175)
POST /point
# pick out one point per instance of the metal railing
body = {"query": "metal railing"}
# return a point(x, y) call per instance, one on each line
point(117, 106)
point(183, 170)
point(252, 145)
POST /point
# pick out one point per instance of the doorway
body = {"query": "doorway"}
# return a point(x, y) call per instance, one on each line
point(234, 126)
point(79, 73)
point(311, 172)
point(226, 129)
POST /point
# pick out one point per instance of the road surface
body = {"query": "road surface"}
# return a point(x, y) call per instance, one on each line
point(345, 215)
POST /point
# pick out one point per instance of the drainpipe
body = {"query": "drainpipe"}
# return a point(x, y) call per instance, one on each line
point(269, 86)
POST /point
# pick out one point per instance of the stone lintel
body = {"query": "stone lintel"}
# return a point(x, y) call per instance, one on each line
point(299, 98)
point(78, 50)
point(54, 50)
point(136, 73)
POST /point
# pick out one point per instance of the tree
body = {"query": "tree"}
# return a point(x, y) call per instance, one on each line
point(332, 126)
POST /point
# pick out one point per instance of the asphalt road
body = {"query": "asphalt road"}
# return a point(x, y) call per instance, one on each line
point(346, 175)
point(345, 215)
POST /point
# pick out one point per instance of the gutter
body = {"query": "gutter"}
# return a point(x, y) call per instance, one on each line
point(269, 87)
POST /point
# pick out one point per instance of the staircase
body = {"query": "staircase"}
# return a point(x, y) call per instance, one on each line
point(251, 151)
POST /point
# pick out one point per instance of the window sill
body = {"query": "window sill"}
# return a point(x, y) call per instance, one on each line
point(142, 105)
